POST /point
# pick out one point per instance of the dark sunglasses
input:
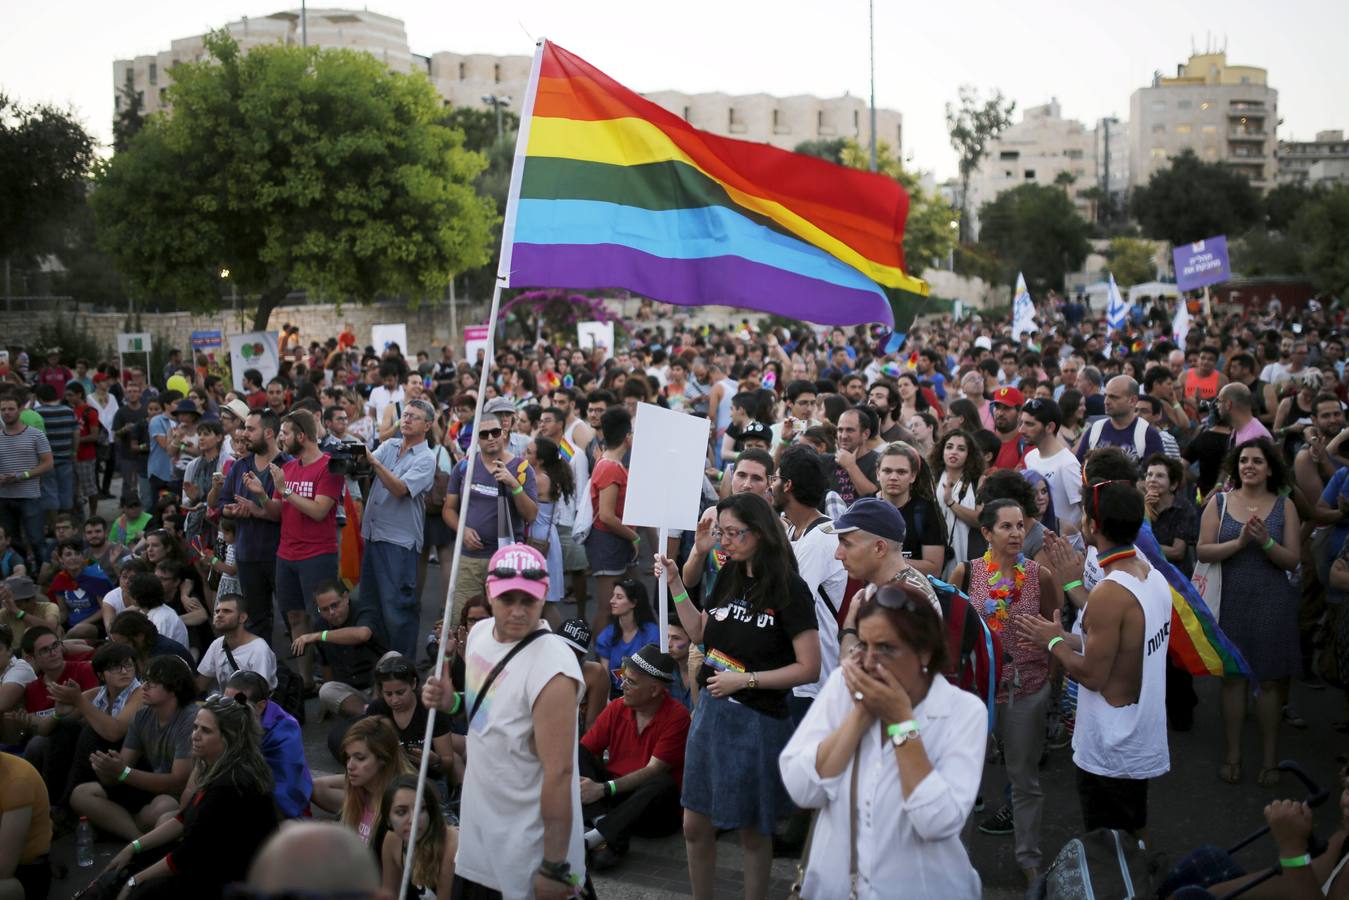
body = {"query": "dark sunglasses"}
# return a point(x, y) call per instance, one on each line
point(1096, 491)
point(489, 432)
point(508, 572)
point(900, 600)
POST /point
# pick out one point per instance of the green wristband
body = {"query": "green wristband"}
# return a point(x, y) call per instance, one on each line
point(517, 490)
point(324, 636)
point(1053, 642)
point(20, 614)
point(1267, 544)
point(458, 703)
point(611, 788)
point(1072, 584)
point(126, 773)
point(136, 846)
point(680, 597)
point(1295, 862)
point(898, 728)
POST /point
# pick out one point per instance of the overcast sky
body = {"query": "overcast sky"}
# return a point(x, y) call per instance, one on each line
point(1089, 55)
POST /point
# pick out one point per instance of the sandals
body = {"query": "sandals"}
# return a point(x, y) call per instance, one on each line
point(1268, 777)
point(1230, 772)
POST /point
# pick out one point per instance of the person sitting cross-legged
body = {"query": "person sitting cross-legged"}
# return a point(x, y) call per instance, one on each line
point(145, 779)
point(348, 648)
point(236, 648)
point(644, 732)
point(282, 744)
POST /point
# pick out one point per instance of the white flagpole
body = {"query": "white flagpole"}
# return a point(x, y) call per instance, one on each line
point(663, 593)
point(502, 279)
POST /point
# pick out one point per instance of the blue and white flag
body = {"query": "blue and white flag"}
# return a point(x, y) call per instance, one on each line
point(1117, 313)
point(1180, 325)
point(1023, 310)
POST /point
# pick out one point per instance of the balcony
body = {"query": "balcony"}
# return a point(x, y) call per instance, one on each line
point(1244, 106)
point(1247, 134)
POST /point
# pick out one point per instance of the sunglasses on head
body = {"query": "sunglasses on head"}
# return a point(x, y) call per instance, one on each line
point(509, 572)
point(1096, 491)
point(400, 669)
point(901, 600)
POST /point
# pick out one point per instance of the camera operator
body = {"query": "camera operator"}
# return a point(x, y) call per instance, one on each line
point(393, 526)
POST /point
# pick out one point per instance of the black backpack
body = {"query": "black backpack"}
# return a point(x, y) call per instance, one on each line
point(289, 691)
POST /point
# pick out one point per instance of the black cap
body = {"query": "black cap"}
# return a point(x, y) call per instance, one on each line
point(872, 515)
point(756, 430)
point(650, 660)
point(577, 633)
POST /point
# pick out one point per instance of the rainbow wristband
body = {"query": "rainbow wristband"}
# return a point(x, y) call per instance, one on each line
point(680, 597)
point(1072, 584)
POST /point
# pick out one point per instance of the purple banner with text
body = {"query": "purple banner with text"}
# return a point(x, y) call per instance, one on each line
point(1202, 263)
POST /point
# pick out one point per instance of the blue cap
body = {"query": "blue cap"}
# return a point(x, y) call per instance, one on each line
point(872, 515)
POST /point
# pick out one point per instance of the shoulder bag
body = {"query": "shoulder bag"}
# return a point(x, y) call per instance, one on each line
point(1208, 577)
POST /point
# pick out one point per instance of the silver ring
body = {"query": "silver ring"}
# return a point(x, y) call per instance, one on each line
point(857, 695)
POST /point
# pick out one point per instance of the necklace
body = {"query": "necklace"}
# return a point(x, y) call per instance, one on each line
point(1003, 591)
point(1116, 555)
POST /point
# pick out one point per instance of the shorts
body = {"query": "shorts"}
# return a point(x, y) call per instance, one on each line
point(437, 534)
point(608, 553)
point(86, 477)
point(472, 581)
point(332, 694)
point(131, 799)
point(573, 554)
point(1112, 802)
point(296, 580)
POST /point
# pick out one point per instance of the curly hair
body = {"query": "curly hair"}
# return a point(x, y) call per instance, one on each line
point(974, 459)
point(1277, 482)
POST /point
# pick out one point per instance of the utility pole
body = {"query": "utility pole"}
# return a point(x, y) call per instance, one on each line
point(1107, 202)
point(497, 103)
point(304, 25)
point(871, 31)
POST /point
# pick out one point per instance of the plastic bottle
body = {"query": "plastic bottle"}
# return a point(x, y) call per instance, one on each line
point(84, 843)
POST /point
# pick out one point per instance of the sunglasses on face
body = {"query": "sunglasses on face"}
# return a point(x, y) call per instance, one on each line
point(508, 572)
point(489, 433)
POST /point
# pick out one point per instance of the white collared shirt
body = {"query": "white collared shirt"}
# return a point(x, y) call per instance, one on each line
point(913, 842)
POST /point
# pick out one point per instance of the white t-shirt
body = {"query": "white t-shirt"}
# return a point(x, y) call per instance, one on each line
point(502, 850)
point(113, 600)
point(816, 565)
point(381, 397)
point(168, 623)
point(254, 656)
point(1063, 472)
point(18, 672)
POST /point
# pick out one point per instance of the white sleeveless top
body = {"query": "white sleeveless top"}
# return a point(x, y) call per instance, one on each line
point(1130, 741)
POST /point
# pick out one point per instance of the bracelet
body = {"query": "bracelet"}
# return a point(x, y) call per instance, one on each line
point(20, 614)
point(846, 631)
point(1295, 862)
point(136, 846)
point(324, 637)
point(517, 490)
point(680, 597)
point(126, 773)
point(1267, 544)
point(901, 728)
point(1054, 642)
point(26, 474)
point(458, 704)
point(610, 788)
point(1072, 584)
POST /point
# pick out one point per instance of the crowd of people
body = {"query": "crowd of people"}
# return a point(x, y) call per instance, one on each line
point(908, 563)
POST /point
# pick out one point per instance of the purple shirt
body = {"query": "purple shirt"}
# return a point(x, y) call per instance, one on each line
point(1251, 430)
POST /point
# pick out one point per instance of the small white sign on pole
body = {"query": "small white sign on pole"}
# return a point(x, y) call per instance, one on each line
point(475, 342)
point(381, 336)
point(254, 350)
point(665, 481)
point(593, 335)
point(133, 342)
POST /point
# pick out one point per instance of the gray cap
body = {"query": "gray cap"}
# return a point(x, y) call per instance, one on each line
point(500, 405)
point(21, 586)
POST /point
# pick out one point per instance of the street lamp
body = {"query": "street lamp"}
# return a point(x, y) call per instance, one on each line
point(234, 290)
point(951, 253)
point(497, 103)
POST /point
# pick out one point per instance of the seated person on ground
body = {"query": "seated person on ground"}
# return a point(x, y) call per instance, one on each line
point(348, 648)
point(282, 744)
point(119, 598)
point(637, 791)
point(15, 672)
point(235, 649)
point(433, 863)
point(180, 596)
point(145, 779)
point(11, 561)
point(102, 714)
point(576, 632)
point(63, 529)
point(25, 831)
point(398, 699)
point(133, 628)
point(78, 590)
point(20, 607)
point(147, 593)
point(371, 758)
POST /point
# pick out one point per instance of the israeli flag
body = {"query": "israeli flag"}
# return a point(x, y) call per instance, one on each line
point(1180, 325)
point(1023, 310)
point(1117, 313)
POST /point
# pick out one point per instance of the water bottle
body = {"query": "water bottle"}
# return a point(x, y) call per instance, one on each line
point(84, 843)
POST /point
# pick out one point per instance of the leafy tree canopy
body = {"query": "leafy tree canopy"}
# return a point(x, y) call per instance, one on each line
point(1192, 200)
point(294, 168)
point(45, 160)
point(1036, 230)
point(1321, 230)
point(1131, 260)
point(972, 126)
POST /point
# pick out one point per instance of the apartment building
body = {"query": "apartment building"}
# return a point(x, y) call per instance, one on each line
point(1325, 159)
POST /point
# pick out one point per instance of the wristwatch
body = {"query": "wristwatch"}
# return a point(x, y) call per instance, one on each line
point(557, 871)
point(753, 680)
point(286, 492)
point(131, 882)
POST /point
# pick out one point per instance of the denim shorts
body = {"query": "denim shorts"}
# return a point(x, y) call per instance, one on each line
point(608, 553)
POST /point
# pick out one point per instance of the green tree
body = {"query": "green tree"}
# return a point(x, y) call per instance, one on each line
point(1131, 260)
point(293, 168)
point(928, 235)
point(972, 126)
point(479, 126)
point(831, 149)
point(1036, 230)
point(45, 160)
point(130, 118)
point(1192, 200)
point(1261, 251)
point(1322, 231)
point(1282, 204)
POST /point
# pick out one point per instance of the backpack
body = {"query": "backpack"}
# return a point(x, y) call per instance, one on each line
point(976, 651)
point(1140, 435)
point(289, 691)
point(440, 486)
point(1102, 863)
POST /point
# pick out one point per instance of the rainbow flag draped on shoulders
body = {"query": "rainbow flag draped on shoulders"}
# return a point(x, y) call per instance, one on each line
point(609, 190)
point(1197, 644)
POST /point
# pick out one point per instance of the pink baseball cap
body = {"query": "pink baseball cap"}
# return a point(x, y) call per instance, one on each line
point(517, 567)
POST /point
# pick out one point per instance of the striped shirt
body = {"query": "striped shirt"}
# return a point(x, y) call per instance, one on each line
point(20, 453)
point(62, 426)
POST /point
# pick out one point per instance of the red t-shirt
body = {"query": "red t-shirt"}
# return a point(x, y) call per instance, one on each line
point(301, 536)
point(88, 419)
point(608, 472)
point(35, 696)
point(1012, 454)
point(664, 738)
point(257, 399)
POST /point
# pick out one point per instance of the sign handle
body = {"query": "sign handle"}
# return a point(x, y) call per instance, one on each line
point(663, 593)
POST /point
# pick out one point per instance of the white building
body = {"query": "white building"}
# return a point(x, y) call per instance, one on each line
point(1311, 162)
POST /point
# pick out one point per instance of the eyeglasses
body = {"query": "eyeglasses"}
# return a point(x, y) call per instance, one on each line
point(53, 649)
point(508, 572)
point(127, 665)
point(884, 651)
point(626, 680)
point(489, 433)
point(733, 534)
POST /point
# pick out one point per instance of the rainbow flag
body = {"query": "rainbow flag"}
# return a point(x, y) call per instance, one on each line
point(1197, 644)
point(609, 190)
point(565, 448)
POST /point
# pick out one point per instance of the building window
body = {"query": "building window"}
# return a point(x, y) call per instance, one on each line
point(1159, 106)
point(1184, 104)
point(1159, 128)
point(140, 97)
point(130, 78)
point(686, 114)
point(1183, 128)
point(857, 121)
point(1030, 175)
point(1010, 155)
point(779, 127)
point(463, 71)
point(162, 92)
point(1209, 129)
point(1159, 153)
point(1073, 153)
point(496, 73)
point(735, 121)
point(154, 73)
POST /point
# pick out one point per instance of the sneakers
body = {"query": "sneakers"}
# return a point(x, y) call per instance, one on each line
point(998, 823)
point(604, 858)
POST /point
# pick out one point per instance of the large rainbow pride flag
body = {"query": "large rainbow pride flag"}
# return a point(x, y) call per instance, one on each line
point(609, 190)
point(1197, 644)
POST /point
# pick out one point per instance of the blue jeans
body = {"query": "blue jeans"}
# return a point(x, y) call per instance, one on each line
point(58, 486)
point(25, 525)
point(389, 585)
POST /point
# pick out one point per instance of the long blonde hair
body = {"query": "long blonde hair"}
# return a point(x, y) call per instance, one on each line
point(379, 737)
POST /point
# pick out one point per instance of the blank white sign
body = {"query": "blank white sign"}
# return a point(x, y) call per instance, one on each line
point(665, 480)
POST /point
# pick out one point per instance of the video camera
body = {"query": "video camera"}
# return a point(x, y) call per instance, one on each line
point(350, 458)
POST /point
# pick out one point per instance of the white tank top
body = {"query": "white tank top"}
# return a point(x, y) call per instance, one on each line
point(728, 390)
point(1130, 741)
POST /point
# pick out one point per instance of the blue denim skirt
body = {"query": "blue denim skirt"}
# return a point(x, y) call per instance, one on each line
point(608, 553)
point(731, 770)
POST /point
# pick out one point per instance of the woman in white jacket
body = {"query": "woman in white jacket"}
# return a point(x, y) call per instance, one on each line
point(890, 728)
